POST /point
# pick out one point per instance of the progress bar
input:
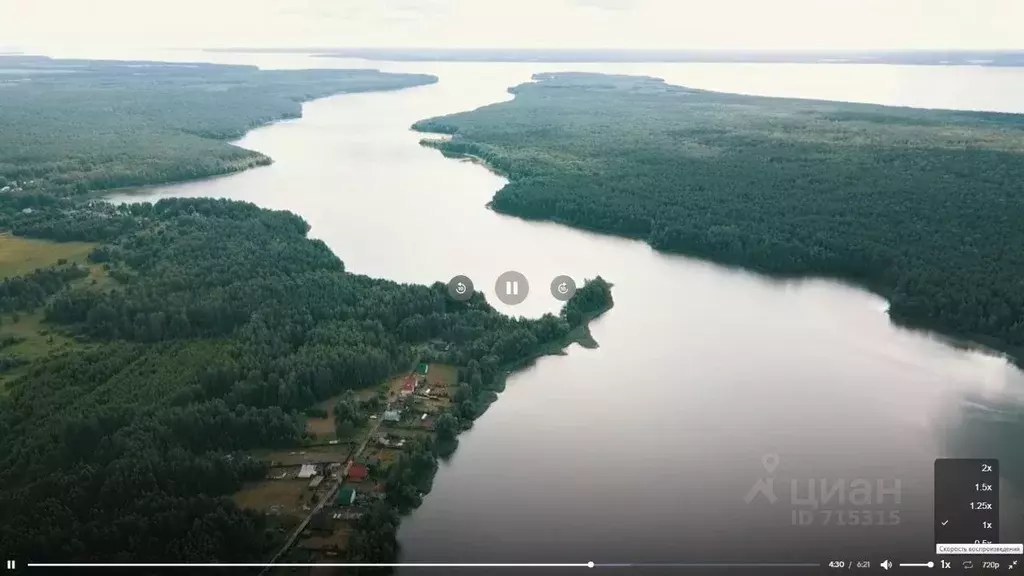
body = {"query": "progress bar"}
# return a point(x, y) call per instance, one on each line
point(708, 565)
point(443, 565)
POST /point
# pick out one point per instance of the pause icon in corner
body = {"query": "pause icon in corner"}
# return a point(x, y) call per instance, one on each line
point(10, 564)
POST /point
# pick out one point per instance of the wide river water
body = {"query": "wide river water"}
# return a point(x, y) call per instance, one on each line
point(708, 382)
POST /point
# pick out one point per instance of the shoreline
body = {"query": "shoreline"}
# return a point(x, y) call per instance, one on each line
point(259, 159)
point(578, 335)
point(979, 343)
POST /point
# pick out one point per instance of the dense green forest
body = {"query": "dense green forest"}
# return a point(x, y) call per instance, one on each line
point(221, 325)
point(226, 322)
point(925, 207)
point(81, 125)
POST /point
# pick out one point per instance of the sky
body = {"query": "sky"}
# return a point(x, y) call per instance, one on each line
point(68, 25)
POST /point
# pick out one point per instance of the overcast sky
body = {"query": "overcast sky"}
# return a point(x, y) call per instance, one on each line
point(48, 25)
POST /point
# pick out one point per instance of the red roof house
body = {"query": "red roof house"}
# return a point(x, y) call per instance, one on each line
point(409, 386)
point(358, 472)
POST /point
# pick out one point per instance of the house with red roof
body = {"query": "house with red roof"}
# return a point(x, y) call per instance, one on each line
point(358, 472)
point(409, 386)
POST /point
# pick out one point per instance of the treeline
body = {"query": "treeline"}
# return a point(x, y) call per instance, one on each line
point(225, 325)
point(72, 126)
point(32, 290)
point(594, 297)
point(923, 206)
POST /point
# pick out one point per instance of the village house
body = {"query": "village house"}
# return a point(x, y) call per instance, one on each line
point(388, 442)
point(358, 472)
point(346, 496)
point(409, 385)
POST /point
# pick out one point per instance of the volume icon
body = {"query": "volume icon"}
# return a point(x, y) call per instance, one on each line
point(886, 564)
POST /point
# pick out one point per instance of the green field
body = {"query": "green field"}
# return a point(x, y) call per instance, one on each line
point(35, 339)
point(20, 256)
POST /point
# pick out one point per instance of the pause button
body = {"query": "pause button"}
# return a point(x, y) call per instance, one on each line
point(512, 288)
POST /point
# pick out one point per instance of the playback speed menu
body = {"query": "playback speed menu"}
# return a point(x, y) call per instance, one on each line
point(966, 501)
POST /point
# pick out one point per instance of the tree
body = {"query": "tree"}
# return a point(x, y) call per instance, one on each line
point(348, 415)
point(476, 382)
point(447, 427)
point(464, 393)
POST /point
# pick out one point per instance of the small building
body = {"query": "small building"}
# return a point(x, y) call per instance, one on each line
point(392, 415)
point(358, 472)
point(346, 496)
point(409, 385)
point(307, 471)
point(390, 442)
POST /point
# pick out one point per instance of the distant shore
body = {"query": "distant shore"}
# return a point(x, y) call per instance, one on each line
point(567, 55)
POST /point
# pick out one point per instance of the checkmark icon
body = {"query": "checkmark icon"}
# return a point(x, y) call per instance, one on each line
point(944, 522)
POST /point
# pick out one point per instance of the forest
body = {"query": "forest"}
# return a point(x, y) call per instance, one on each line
point(925, 207)
point(226, 323)
point(221, 326)
point(74, 126)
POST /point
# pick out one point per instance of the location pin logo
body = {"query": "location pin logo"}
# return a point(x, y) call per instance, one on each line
point(765, 487)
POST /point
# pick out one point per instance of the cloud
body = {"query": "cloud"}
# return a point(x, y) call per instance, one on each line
point(645, 24)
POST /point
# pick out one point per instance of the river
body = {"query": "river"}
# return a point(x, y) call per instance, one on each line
point(708, 380)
